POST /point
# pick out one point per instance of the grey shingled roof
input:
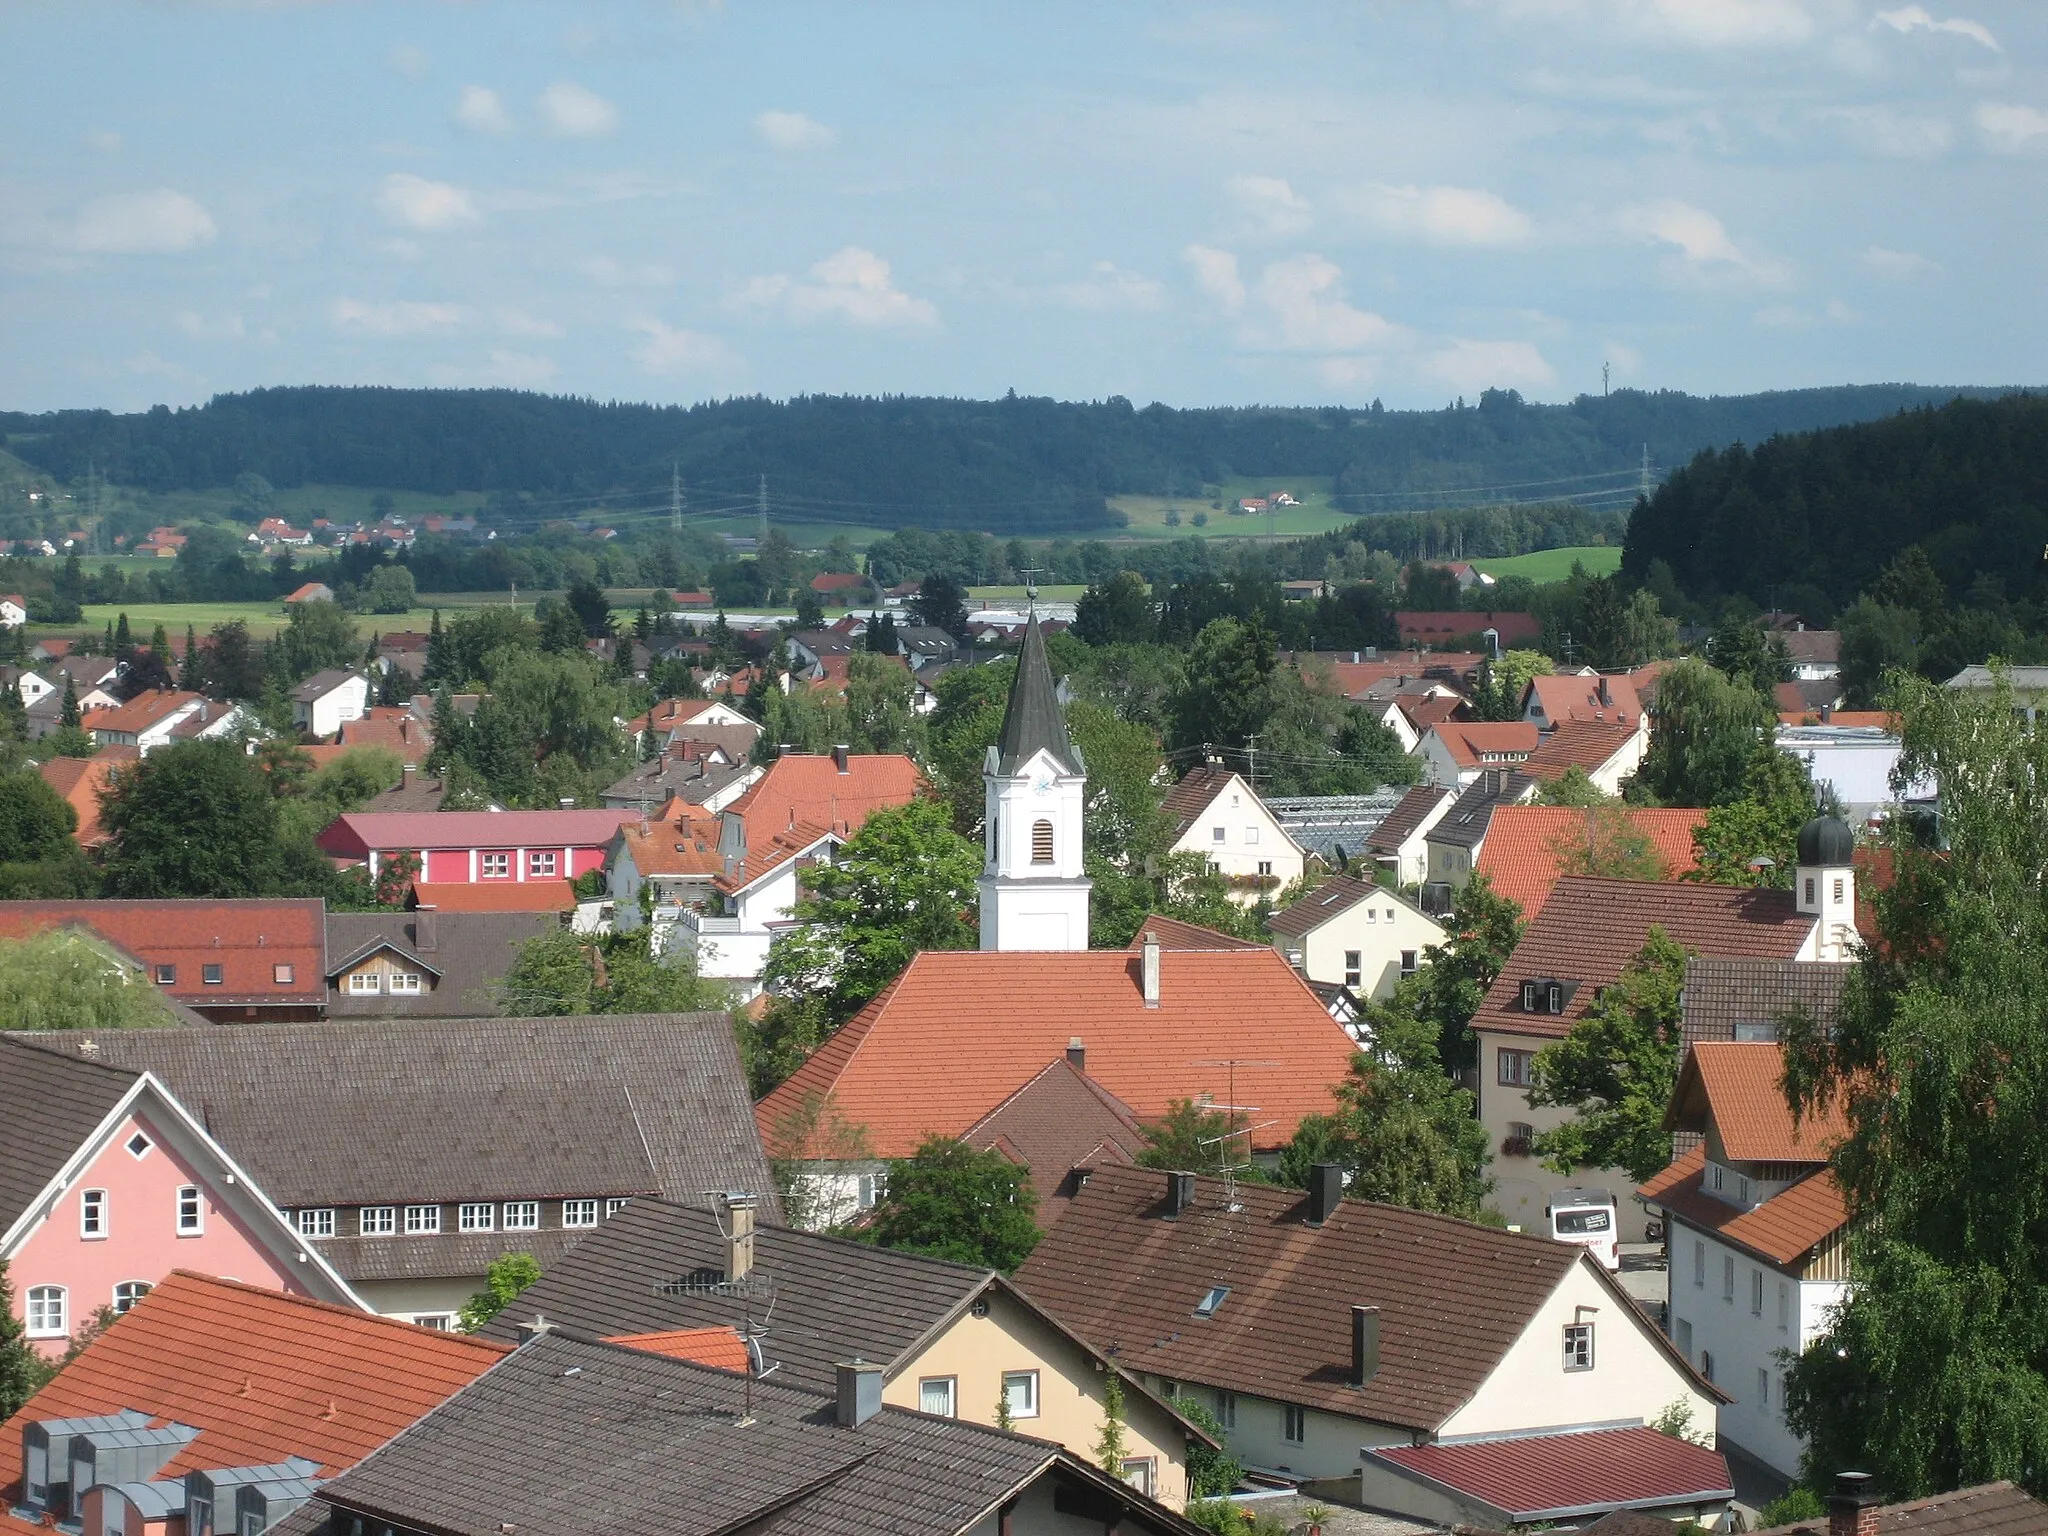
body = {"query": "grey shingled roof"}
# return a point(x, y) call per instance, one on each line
point(1988, 1509)
point(1332, 898)
point(567, 1436)
point(52, 1104)
point(1464, 824)
point(1400, 823)
point(391, 1111)
point(472, 951)
point(833, 1299)
point(1723, 993)
point(1033, 722)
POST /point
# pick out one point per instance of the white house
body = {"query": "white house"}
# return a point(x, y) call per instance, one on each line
point(1756, 1240)
point(33, 686)
point(326, 699)
point(1217, 814)
point(1351, 933)
point(1816, 653)
point(753, 903)
point(160, 717)
point(13, 611)
point(1855, 761)
point(1606, 751)
point(1455, 752)
point(1400, 843)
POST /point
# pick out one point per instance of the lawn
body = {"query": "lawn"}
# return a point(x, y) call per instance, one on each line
point(1049, 593)
point(1556, 564)
point(263, 619)
point(1314, 515)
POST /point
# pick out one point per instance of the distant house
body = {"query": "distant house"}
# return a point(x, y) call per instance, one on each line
point(391, 727)
point(1606, 751)
point(1854, 757)
point(323, 701)
point(1456, 841)
point(677, 857)
point(1400, 843)
point(1816, 653)
point(1453, 753)
point(1215, 813)
point(557, 897)
point(311, 592)
point(478, 846)
point(427, 963)
point(13, 611)
point(1353, 933)
point(160, 717)
point(680, 720)
point(1305, 591)
point(1528, 848)
point(839, 586)
point(111, 1185)
point(1441, 630)
point(81, 781)
point(727, 936)
point(835, 791)
point(162, 543)
point(1468, 575)
point(1060, 1127)
point(1608, 698)
point(707, 780)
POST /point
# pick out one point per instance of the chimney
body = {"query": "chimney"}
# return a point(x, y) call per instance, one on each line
point(1365, 1345)
point(860, 1392)
point(1827, 714)
point(739, 1238)
point(405, 776)
point(1606, 695)
point(1149, 969)
point(1180, 1195)
point(1852, 1507)
point(1077, 1054)
point(1354, 658)
point(1325, 1190)
point(839, 758)
point(528, 1332)
point(425, 930)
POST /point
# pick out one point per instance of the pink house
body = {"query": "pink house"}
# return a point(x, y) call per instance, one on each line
point(107, 1184)
point(465, 847)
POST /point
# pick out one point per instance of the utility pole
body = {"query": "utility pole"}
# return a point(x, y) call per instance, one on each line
point(1643, 483)
point(1603, 381)
point(675, 496)
point(1251, 766)
point(763, 505)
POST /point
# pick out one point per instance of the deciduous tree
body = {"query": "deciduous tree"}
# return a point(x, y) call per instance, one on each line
point(1706, 730)
point(953, 1201)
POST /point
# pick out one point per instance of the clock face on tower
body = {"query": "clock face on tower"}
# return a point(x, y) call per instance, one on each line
point(1041, 784)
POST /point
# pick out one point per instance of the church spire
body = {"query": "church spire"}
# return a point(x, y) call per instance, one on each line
point(1034, 722)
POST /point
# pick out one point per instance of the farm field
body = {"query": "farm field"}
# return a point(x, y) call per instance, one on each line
point(1046, 594)
point(1314, 515)
point(1556, 564)
point(263, 619)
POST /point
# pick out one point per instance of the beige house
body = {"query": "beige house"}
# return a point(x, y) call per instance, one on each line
point(1221, 817)
point(1350, 932)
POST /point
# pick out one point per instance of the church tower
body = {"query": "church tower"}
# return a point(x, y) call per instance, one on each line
point(1033, 892)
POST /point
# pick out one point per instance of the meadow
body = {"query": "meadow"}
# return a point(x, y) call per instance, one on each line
point(1548, 565)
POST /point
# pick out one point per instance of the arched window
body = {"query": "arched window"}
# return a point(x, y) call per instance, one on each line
point(129, 1292)
point(47, 1313)
point(1041, 842)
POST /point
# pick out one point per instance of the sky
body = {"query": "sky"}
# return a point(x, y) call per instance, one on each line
point(1290, 203)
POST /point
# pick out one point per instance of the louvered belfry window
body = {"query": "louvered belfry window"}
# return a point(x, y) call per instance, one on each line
point(1041, 842)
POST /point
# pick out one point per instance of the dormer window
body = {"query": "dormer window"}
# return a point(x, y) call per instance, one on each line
point(1553, 998)
point(1531, 993)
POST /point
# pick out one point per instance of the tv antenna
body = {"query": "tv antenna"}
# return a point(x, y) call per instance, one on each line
point(1230, 1166)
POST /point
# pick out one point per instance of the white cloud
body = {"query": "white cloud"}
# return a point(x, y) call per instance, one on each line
point(407, 60)
point(1216, 275)
point(196, 325)
point(106, 141)
point(402, 318)
point(1478, 365)
point(418, 203)
point(1272, 206)
point(669, 349)
point(1699, 238)
point(1915, 18)
point(1897, 264)
point(2012, 128)
point(142, 223)
point(1304, 300)
point(853, 284)
point(1896, 134)
point(575, 112)
point(1625, 358)
point(793, 130)
point(481, 110)
point(516, 322)
point(1693, 23)
point(1445, 215)
point(1788, 317)
point(1109, 287)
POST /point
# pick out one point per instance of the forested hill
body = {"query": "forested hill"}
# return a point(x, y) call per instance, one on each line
point(1967, 483)
point(1015, 465)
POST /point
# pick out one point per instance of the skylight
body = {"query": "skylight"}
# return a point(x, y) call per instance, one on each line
point(1212, 1301)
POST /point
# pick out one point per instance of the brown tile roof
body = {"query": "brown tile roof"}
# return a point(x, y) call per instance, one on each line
point(720, 1348)
point(685, 846)
point(1425, 710)
point(1813, 646)
point(1547, 1477)
point(472, 951)
point(54, 1104)
point(1334, 897)
point(1783, 1230)
point(1410, 812)
point(1738, 1089)
point(1590, 929)
point(1437, 628)
point(692, 780)
point(1527, 845)
point(800, 788)
point(1453, 1296)
point(261, 1375)
point(392, 727)
point(1172, 933)
point(250, 939)
point(1059, 1121)
point(995, 1018)
point(1586, 744)
point(1988, 1509)
point(1198, 787)
point(1722, 994)
point(772, 852)
point(1466, 823)
point(1472, 741)
point(1576, 696)
point(140, 712)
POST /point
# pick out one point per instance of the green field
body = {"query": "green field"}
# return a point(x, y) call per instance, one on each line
point(263, 619)
point(1314, 515)
point(1051, 594)
point(1556, 564)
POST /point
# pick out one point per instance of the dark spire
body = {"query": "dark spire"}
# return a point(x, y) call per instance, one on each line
point(1033, 721)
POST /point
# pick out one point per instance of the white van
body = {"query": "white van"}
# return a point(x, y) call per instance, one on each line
point(1587, 1217)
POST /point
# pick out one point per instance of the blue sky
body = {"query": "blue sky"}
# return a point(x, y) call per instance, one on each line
point(1290, 203)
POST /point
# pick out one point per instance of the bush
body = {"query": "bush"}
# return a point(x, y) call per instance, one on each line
point(1796, 1503)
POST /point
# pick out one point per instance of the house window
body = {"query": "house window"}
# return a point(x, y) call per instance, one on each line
point(405, 983)
point(579, 1213)
point(377, 1220)
point(316, 1222)
point(212, 975)
point(1207, 1306)
point(439, 1322)
point(1215, 834)
point(281, 975)
point(1838, 893)
point(1707, 1364)
point(191, 1215)
point(46, 1319)
point(1553, 998)
point(1514, 1067)
point(1728, 1278)
point(1265, 866)
point(540, 865)
point(1141, 1472)
point(1763, 1387)
point(1293, 1423)
point(496, 866)
point(422, 1219)
point(1699, 1263)
point(1784, 1306)
point(365, 981)
point(1809, 890)
point(1020, 1393)
point(1226, 1409)
point(614, 1205)
point(1681, 1335)
point(938, 1395)
point(1251, 837)
point(129, 1292)
point(1714, 1176)
point(1756, 1293)
point(1578, 1346)
point(199, 1515)
point(478, 1217)
point(139, 1145)
point(1354, 967)
point(166, 975)
point(522, 1215)
point(92, 1213)
point(1407, 962)
point(1041, 842)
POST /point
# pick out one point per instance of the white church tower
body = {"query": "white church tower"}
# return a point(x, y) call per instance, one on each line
point(1033, 892)
point(1824, 888)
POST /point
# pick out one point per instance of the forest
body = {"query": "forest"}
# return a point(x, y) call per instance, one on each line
point(1018, 465)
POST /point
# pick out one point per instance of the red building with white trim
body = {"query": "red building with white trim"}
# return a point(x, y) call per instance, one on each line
point(469, 847)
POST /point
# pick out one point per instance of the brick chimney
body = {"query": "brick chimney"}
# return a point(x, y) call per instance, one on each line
point(1852, 1507)
point(739, 1235)
point(405, 776)
point(1148, 967)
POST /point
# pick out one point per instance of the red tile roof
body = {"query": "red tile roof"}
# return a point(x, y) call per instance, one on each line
point(993, 1019)
point(393, 727)
point(80, 780)
point(1433, 628)
point(1061, 1120)
point(310, 592)
point(1576, 696)
point(685, 846)
point(1587, 744)
point(1466, 740)
point(260, 1374)
point(1527, 845)
point(249, 939)
point(1737, 1086)
point(1549, 1477)
point(1783, 1230)
point(140, 712)
point(790, 843)
point(1427, 709)
point(837, 581)
point(1172, 933)
point(381, 831)
point(801, 788)
point(1590, 929)
point(720, 1348)
point(496, 896)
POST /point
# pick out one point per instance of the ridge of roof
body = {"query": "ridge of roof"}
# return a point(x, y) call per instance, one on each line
point(1175, 934)
point(1033, 721)
point(1782, 1230)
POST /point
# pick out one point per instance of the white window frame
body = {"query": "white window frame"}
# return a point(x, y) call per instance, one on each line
point(522, 1215)
point(579, 1214)
point(138, 1152)
point(541, 863)
point(1699, 1263)
point(1784, 1306)
point(614, 1204)
point(1226, 1409)
point(314, 1221)
point(494, 866)
point(422, 1220)
point(1251, 837)
point(1215, 834)
point(1578, 1346)
point(407, 983)
point(477, 1216)
point(47, 1311)
point(1410, 962)
point(1756, 1293)
point(190, 1223)
point(93, 1212)
point(1294, 1423)
point(1728, 1278)
point(437, 1322)
point(377, 1221)
point(928, 1386)
point(137, 1289)
point(281, 975)
point(364, 983)
point(213, 974)
point(1511, 1067)
point(1020, 1394)
point(1354, 967)
point(1141, 1473)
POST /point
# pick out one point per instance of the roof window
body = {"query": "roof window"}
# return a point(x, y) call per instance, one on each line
point(1210, 1302)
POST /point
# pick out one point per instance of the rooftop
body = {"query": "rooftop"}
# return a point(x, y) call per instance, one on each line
point(1196, 792)
point(1728, 999)
point(1473, 742)
point(1410, 813)
point(56, 1103)
point(267, 950)
point(687, 846)
point(1588, 745)
point(1333, 898)
point(416, 830)
point(1738, 1089)
point(472, 951)
point(1528, 1478)
point(800, 788)
point(1988, 1509)
point(141, 712)
point(1470, 816)
point(1783, 1230)
point(1061, 1121)
point(1529, 847)
point(320, 684)
point(1577, 696)
point(1033, 721)
point(556, 896)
